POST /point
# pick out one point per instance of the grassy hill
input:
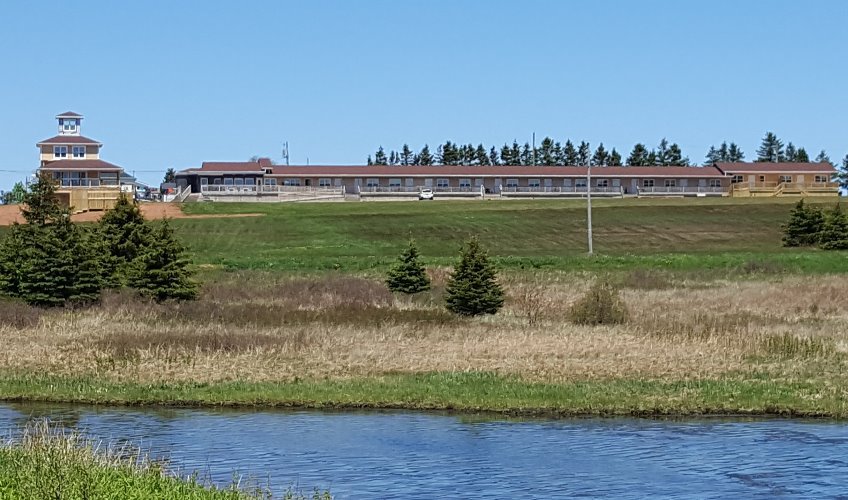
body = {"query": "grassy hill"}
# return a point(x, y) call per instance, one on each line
point(682, 233)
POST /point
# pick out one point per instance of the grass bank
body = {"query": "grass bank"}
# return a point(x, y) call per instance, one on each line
point(44, 462)
point(753, 394)
point(687, 234)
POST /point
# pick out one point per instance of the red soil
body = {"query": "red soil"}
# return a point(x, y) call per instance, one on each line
point(12, 213)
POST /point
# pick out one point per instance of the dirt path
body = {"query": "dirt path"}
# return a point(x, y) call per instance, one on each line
point(12, 213)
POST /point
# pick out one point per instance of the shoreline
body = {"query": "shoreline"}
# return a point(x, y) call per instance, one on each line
point(430, 393)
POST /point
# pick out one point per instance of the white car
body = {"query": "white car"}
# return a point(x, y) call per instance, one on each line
point(425, 194)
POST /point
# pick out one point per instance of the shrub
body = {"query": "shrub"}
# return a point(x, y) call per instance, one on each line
point(601, 305)
point(804, 225)
point(834, 232)
point(161, 271)
point(408, 275)
point(473, 288)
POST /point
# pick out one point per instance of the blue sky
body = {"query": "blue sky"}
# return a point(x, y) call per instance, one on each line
point(171, 84)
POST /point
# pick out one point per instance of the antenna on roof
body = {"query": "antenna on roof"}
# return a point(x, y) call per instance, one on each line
point(286, 152)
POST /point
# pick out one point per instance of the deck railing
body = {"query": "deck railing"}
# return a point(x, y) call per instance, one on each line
point(681, 189)
point(267, 189)
point(560, 189)
point(87, 183)
point(416, 189)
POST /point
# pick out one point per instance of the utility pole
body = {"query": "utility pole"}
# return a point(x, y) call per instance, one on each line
point(589, 205)
point(534, 149)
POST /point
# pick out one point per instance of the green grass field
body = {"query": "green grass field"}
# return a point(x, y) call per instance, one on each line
point(683, 234)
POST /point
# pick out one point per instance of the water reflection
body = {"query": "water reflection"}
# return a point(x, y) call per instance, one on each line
point(395, 454)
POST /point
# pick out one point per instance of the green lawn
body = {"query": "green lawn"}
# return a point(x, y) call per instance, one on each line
point(667, 233)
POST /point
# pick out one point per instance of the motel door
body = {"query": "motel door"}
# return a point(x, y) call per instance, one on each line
point(428, 183)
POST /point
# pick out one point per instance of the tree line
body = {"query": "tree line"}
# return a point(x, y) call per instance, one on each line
point(551, 152)
point(50, 261)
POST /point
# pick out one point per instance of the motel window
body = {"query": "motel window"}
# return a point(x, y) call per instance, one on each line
point(325, 182)
point(821, 178)
point(762, 178)
point(648, 183)
point(337, 182)
point(204, 181)
point(785, 178)
point(478, 182)
point(512, 183)
point(239, 181)
point(465, 183)
point(60, 151)
point(670, 183)
point(566, 183)
point(442, 183)
point(737, 179)
point(394, 183)
point(270, 182)
point(372, 182)
point(217, 182)
point(79, 151)
point(228, 181)
point(533, 183)
point(602, 183)
point(291, 182)
point(410, 182)
point(715, 183)
point(580, 183)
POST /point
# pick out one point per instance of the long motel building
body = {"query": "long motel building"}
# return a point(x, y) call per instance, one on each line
point(261, 180)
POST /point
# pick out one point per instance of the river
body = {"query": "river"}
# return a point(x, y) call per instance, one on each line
point(397, 454)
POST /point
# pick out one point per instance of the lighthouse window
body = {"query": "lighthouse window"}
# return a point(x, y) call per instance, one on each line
point(69, 125)
point(60, 151)
point(79, 151)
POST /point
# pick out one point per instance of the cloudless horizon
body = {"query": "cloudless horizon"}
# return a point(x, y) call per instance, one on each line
point(173, 84)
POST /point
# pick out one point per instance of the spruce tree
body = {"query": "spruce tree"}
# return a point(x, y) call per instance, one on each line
point(614, 158)
point(834, 232)
point(584, 154)
point(125, 234)
point(161, 271)
point(804, 226)
point(569, 153)
point(170, 175)
point(473, 288)
point(735, 153)
point(424, 157)
point(639, 156)
point(802, 156)
point(822, 157)
point(408, 274)
point(493, 157)
point(40, 204)
point(771, 149)
point(601, 157)
point(380, 157)
point(842, 175)
point(406, 155)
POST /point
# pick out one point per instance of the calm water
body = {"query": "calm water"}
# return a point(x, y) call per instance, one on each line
point(423, 455)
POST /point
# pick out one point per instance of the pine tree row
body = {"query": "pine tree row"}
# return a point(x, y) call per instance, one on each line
point(811, 226)
point(50, 261)
point(550, 152)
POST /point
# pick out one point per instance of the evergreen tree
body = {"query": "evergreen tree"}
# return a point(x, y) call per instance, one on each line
point(527, 155)
point(834, 232)
point(424, 157)
point(802, 156)
point(40, 204)
point(393, 158)
point(713, 156)
point(639, 156)
point(601, 157)
point(481, 157)
point(170, 175)
point(661, 154)
point(369, 161)
point(125, 234)
point(771, 149)
point(473, 288)
point(614, 158)
point(380, 157)
point(17, 194)
point(557, 154)
point(493, 157)
point(842, 174)
point(408, 274)
point(161, 271)
point(804, 226)
point(584, 154)
point(791, 153)
point(823, 157)
point(674, 156)
point(406, 155)
point(734, 153)
point(569, 153)
point(545, 155)
point(515, 153)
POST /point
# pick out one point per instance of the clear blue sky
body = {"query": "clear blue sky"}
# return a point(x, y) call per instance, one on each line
point(171, 84)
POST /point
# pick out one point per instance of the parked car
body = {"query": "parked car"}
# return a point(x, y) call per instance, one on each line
point(425, 194)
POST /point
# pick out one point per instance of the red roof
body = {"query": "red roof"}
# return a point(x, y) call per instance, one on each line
point(767, 167)
point(231, 166)
point(81, 165)
point(69, 114)
point(499, 171)
point(69, 139)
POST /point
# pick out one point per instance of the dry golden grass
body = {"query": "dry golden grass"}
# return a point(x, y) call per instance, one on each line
point(253, 327)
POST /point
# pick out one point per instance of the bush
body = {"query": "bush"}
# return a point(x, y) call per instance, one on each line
point(805, 224)
point(473, 288)
point(408, 275)
point(834, 231)
point(601, 305)
point(125, 235)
